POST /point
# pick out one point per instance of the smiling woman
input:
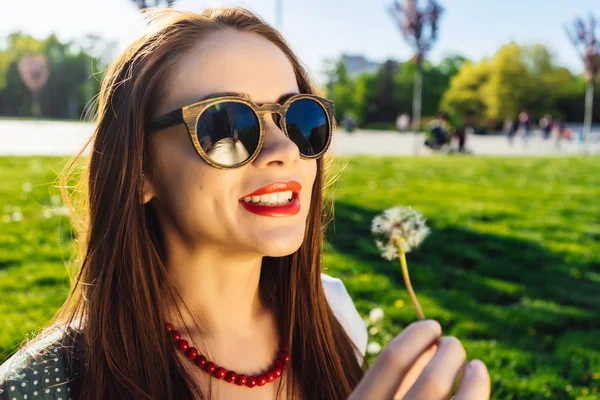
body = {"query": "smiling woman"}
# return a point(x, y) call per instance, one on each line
point(201, 235)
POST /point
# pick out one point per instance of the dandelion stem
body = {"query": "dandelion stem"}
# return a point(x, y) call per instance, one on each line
point(409, 288)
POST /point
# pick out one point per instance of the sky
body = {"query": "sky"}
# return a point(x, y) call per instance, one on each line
point(324, 29)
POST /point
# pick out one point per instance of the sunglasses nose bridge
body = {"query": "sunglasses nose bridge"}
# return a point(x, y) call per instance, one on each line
point(270, 109)
point(276, 111)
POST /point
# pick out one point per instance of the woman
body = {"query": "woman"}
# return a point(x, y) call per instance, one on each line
point(201, 277)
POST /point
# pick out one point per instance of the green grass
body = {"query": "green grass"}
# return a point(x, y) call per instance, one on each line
point(512, 266)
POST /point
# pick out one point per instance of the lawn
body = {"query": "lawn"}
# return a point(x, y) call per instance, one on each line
point(512, 266)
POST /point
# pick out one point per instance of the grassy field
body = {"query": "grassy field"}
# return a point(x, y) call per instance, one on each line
point(512, 266)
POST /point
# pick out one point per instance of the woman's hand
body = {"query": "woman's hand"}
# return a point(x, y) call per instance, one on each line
point(419, 364)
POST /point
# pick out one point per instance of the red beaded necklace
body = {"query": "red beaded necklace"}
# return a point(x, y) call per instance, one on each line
point(229, 376)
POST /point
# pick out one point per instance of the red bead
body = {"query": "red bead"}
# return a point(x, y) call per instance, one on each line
point(183, 345)
point(231, 377)
point(210, 367)
point(240, 380)
point(200, 361)
point(251, 381)
point(192, 353)
point(219, 373)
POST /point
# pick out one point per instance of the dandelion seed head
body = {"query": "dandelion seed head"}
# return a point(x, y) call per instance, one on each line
point(395, 224)
point(17, 216)
point(373, 348)
point(376, 314)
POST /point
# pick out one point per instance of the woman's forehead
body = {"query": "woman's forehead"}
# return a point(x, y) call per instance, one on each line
point(230, 61)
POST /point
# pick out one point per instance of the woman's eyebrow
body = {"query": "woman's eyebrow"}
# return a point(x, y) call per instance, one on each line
point(283, 98)
point(246, 96)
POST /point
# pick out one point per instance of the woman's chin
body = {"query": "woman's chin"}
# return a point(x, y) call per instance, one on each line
point(280, 248)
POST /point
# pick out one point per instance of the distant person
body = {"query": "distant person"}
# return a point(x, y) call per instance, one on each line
point(512, 131)
point(402, 122)
point(562, 133)
point(436, 134)
point(511, 127)
point(442, 130)
point(525, 126)
point(349, 123)
point(546, 125)
point(457, 129)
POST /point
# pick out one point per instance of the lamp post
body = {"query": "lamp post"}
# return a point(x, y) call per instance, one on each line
point(588, 46)
point(419, 27)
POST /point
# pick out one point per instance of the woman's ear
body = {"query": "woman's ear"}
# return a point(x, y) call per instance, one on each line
point(148, 189)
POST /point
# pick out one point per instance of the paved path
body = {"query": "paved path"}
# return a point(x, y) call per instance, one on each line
point(392, 143)
point(66, 138)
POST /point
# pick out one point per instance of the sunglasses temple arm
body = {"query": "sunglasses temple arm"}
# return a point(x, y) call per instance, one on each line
point(166, 120)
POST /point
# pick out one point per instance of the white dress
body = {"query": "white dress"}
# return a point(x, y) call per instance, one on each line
point(343, 307)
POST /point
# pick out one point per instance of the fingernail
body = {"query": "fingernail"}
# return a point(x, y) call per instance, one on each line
point(468, 369)
point(471, 368)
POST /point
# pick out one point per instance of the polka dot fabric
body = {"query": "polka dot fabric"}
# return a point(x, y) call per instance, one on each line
point(32, 374)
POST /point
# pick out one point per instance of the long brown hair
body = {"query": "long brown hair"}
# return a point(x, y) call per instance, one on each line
point(118, 293)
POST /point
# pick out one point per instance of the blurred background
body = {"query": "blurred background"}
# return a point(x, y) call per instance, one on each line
point(484, 116)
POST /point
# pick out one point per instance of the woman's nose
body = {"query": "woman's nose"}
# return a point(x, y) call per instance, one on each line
point(277, 148)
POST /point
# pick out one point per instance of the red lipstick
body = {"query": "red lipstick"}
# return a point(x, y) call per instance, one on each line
point(284, 210)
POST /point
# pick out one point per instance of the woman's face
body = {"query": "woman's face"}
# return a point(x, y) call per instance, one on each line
point(201, 204)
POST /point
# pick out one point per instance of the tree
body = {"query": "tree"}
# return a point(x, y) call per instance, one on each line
point(382, 101)
point(437, 78)
point(515, 78)
point(340, 88)
point(587, 45)
point(464, 95)
point(376, 98)
point(364, 91)
point(508, 89)
point(64, 95)
point(419, 28)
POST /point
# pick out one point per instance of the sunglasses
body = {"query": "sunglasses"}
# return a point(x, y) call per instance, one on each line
point(228, 131)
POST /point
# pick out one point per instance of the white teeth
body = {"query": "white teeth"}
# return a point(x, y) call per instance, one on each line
point(277, 198)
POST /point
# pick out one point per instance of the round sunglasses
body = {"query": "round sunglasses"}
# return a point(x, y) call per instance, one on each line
point(228, 131)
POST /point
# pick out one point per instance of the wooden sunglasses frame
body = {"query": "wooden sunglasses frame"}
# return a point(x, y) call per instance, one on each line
point(190, 114)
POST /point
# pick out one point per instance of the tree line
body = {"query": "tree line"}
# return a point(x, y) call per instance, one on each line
point(485, 93)
point(74, 74)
